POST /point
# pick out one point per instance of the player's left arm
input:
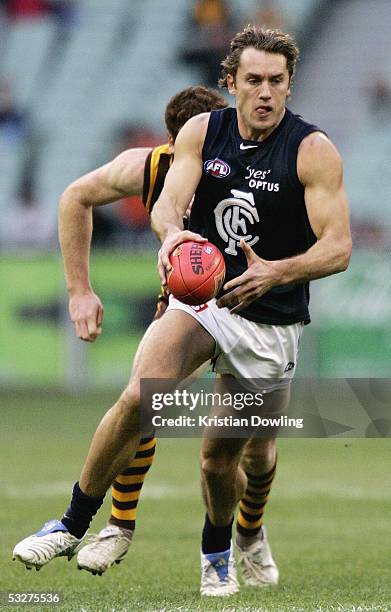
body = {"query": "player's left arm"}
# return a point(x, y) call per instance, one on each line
point(319, 168)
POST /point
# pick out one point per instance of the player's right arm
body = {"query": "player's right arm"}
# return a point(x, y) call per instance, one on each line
point(122, 177)
point(180, 185)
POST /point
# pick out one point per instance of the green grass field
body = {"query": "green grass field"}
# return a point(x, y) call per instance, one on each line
point(328, 517)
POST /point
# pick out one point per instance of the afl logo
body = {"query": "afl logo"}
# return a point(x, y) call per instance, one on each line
point(217, 168)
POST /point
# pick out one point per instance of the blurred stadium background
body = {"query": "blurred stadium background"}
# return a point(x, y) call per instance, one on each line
point(81, 80)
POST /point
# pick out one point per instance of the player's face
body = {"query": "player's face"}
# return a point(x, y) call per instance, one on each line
point(261, 87)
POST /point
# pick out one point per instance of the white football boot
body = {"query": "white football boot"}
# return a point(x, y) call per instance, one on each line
point(103, 550)
point(218, 574)
point(256, 563)
point(53, 540)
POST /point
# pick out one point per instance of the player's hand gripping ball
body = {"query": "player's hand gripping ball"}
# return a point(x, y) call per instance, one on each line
point(197, 273)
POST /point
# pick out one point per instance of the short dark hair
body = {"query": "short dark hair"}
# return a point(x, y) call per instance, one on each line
point(190, 102)
point(271, 41)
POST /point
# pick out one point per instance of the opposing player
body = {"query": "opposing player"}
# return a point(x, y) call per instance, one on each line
point(262, 178)
point(140, 172)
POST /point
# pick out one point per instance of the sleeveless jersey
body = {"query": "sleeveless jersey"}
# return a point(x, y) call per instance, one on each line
point(156, 167)
point(251, 190)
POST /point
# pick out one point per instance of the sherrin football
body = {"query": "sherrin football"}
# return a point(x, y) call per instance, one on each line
point(197, 273)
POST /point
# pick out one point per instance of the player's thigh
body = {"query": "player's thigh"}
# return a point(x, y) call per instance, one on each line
point(201, 371)
point(197, 373)
point(143, 340)
point(173, 347)
point(276, 402)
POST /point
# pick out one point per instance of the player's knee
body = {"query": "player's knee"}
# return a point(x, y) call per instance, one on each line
point(214, 467)
point(259, 455)
point(129, 406)
point(130, 397)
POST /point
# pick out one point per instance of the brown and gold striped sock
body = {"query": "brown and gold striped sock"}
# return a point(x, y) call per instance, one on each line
point(127, 486)
point(252, 505)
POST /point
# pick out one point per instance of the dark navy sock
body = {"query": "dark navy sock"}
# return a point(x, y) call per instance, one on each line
point(215, 539)
point(79, 515)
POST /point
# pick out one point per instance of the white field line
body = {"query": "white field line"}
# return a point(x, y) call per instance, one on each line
point(60, 488)
point(169, 491)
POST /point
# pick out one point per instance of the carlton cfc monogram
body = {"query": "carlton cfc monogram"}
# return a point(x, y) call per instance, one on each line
point(234, 214)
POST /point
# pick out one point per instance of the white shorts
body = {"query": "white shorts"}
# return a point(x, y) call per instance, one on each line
point(246, 349)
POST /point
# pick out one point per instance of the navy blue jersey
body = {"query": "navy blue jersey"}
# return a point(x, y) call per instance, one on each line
point(251, 190)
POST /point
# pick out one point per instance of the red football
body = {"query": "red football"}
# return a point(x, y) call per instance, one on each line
point(197, 274)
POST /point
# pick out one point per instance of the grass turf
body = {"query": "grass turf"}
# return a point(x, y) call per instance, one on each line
point(328, 518)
